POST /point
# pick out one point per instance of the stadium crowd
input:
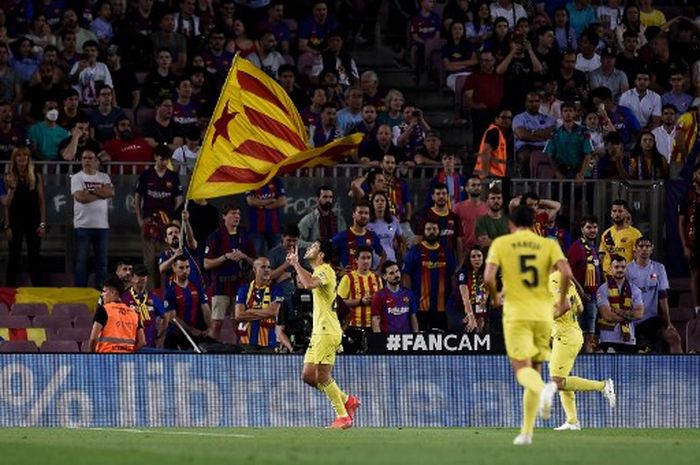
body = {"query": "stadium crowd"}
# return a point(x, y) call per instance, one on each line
point(565, 90)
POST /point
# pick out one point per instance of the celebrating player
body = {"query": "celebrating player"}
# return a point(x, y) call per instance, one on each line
point(567, 340)
point(525, 260)
point(326, 334)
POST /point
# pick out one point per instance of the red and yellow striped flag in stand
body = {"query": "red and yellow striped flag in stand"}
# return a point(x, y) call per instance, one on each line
point(255, 134)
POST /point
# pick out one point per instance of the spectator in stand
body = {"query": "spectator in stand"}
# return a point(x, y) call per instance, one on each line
point(257, 306)
point(646, 163)
point(275, 23)
point(124, 270)
point(655, 327)
point(204, 219)
point(346, 242)
point(357, 288)
point(265, 211)
point(50, 58)
point(351, 114)
point(25, 216)
point(480, 29)
point(458, 55)
point(185, 110)
point(70, 109)
point(40, 30)
point(424, 26)
point(546, 51)
point(665, 135)
point(229, 255)
point(125, 146)
point(68, 55)
point(337, 57)
point(608, 76)
point(455, 11)
point(226, 16)
point(573, 85)
point(581, 15)
point(483, 93)
point(650, 16)
point(201, 92)
point(585, 264)
point(36, 94)
point(266, 57)
point(494, 223)
point(161, 82)
point(610, 14)
point(12, 135)
point(386, 226)
point(630, 23)
point(508, 9)
point(126, 88)
point(282, 272)
point(618, 239)
point(315, 30)
point(326, 129)
point(311, 116)
point(168, 38)
point(470, 209)
point(644, 103)
point(393, 116)
point(430, 154)
point(287, 76)
point(321, 224)
point(88, 74)
point(687, 130)
point(493, 153)
point(173, 249)
point(371, 153)
point(187, 302)
point(563, 32)
point(628, 60)
point(71, 147)
point(369, 83)
point(70, 23)
point(103, 118)
point(91, 191)
point(116, 328)
point(368, 124)
point(615, 117)
point(450, 226)
point(413, 132)
point(450, 177)
point(427, 270)
point(532, 130)
point(570, 147)
point(158, 194)
point(394, 307)
point(518, 68)
point(499, 43)
point(163, 130)
point(677, 96)
point(365, 186)
point(46, 135)
point(24, 61)
point(613, 164)
point(587, 59)
point(101, 26)
point(551, 105)
point(398, 193)
point(620, 304)
point(240, 42)
point(472, 298)
point(216, 57)
point(688, 226)
point(148, 305)
point(185, 156)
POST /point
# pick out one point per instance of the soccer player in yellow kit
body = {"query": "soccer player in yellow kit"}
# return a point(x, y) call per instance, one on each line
point(567, 340)
point(326, 334)
point(525, 260)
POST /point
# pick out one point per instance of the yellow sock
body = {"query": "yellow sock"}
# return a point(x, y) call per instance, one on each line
point(568, 401)
point(574, 383)
point(531, 402)
point(530, 379)
point(336, 396)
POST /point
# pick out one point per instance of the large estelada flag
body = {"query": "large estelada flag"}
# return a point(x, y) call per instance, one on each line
point(255, 134)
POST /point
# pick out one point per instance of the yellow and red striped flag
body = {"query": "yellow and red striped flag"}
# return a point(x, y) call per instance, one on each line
point(255, 134)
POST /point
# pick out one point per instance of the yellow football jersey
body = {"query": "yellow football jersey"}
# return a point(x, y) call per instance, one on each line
point(325, 317)
point(566, 326)
point(525, 260)
point(618, 242)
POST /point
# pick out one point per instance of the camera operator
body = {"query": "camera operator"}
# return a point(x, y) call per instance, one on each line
point(410, 134)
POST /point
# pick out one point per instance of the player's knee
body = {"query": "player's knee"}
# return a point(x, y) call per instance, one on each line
point(309, 378)
point(560, 382)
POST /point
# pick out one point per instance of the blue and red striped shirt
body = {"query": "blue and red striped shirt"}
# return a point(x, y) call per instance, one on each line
point(431, 269)
point(266, 220)
point(187, 303)
point(154, 309)
point(259, 332)
point(346, 244)
point(394, 310)
point(227, 278)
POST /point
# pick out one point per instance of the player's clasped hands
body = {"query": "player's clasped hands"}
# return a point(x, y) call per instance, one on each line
point(293, 256)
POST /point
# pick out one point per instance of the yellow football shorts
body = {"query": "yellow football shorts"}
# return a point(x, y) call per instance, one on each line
point(322, 349)
point(527, 339)
point(564, 353)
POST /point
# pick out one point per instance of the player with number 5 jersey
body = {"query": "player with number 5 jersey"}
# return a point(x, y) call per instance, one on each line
point(525, 260)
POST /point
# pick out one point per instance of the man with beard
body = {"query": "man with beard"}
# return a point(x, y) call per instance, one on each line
point(394, 307)
point(79, 141)
point(11, 135)
point(588, 276)
point(532, 130)
point(148, 305)
point(371, 152)
point(470, 210)
point(40, 92)
point(126, 147)
point(257, 306)
point(174, 250)
point(321, 223)
point(449, 224)
point(427, 270)
point(618, 239)
point(346, 243)
point(494, 223)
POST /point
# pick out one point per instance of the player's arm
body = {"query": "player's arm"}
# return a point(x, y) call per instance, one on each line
point(566, 277)
point(560, 310)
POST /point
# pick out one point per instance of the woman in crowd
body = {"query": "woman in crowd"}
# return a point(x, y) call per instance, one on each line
point(646, 163)
point(458, 55)
point(393, 116)
point(25, 215)
point(480, 29)
point(472, 298)
point(386, 226)
point(565, 35)
point(630, 22)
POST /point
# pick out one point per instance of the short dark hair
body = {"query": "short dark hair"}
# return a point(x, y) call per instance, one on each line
point(613, 137)
point(528, 195)
point(91, 43)
point(160, 50)
point(363, 248)
point(291, 230)
point(386, 265)
point(568, 104)
point(113, 282)
point(617, 258)
point(229, 207)
point(523, 216)
point(287, 68)
point(643, 239)
point(323, 188)
point(588, 219)
point(602, 92)
point(181, 258)
point(360, 203)
point(162, 151)
point(438, 186)
point(326, 248)
point(668, 106)
point(620, 203)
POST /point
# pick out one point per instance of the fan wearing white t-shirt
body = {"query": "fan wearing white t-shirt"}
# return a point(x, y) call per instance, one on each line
point(91, 191)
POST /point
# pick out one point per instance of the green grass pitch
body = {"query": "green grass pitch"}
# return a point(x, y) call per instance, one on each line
point(365, 446)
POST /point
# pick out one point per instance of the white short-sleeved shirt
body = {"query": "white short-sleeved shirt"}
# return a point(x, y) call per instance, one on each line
point(643, 108)
point(93, 215)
